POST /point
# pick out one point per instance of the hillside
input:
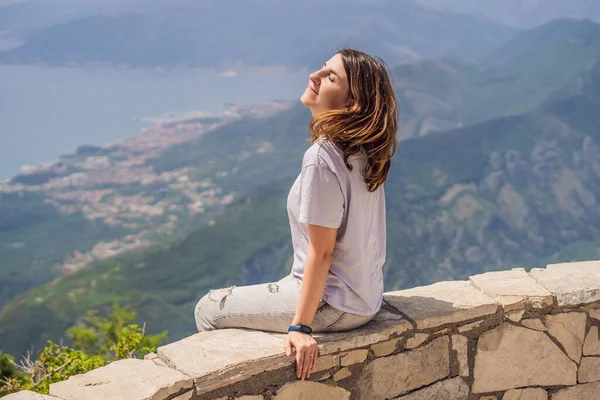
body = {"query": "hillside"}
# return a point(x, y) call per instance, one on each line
point(210, 35)
point(516, 78)
point(509, 191)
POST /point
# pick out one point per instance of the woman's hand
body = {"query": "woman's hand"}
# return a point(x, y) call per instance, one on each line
point(307, 352)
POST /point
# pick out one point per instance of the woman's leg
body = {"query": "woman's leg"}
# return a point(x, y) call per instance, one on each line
point(267, 307)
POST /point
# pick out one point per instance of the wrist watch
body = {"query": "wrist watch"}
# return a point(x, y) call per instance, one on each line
point(300, 328)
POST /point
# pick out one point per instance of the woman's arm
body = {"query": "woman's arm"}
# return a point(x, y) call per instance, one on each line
point(321, 242)
point(320, 254)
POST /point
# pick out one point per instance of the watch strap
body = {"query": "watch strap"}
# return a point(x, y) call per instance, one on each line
point(300, 328)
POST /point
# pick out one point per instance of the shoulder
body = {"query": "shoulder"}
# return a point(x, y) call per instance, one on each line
point(322, 153)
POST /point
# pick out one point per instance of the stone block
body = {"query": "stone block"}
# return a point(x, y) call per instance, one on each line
point(584, 391)
point(591, 346)
point(388, 377)
point(416, 340)
point(442, 303)
point(123, 379)
point(595, 314)
point(250, 398)
point(527, 393)
point(307, 390)
point(354, 357)
point(569, 329)
point(380, 328)
point(571, 283)
point(515, 316)
point(385, 348)
point(459, 344)
point(342, 374)
point(513, 289)
point(28, 395)
point(327, 362)
point(534, 323)
point(508, 357)
point(469, 326)
point(455, 389)
point(589, 370)
point(225, 356)
point(185, 396)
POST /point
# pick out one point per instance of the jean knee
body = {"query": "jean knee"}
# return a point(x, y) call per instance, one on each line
point(204, 321)
point(210, 307)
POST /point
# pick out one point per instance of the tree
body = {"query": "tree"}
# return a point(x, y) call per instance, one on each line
point(97, 341)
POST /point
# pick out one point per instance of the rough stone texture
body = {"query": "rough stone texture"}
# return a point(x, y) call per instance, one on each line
point(501, 363)
point(515, 315)
point(250, 398)
point(156, 359)
point(385, 348)
point(469, 326)
point(534, 323)
point(513, 289)
point(459, 343)
point(585, 391)
point(123, 379)
point(327, 362)
point(591, 346)
point(442, 303)
point(399, 374)
point(222, 357)
point(488, 398)
point(595, 314)
point(569, 330)
point(416, 340)
point(572, 283)
point(342, 374)
point(589, 370)
point(354, 357)
point(185, 396)
point(455, 389)
point(526, 394)
point(382, 327)
point(306, 390)
point(27, 395)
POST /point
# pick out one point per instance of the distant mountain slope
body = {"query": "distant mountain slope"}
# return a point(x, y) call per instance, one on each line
point(509, 191)
point(442, 94)
point(228, 33)
point(521, 13)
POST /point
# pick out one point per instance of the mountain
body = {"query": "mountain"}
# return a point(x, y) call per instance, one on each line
point(517, 77)
point(519, 13)
point(515, 190)
point(99, 202)
point(259, 33)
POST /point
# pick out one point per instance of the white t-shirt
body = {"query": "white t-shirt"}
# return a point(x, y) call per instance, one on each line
point(326, 193)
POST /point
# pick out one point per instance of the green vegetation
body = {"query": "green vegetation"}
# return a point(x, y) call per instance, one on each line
point(97, 341)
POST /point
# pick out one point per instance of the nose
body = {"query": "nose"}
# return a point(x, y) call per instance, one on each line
point(316, 77)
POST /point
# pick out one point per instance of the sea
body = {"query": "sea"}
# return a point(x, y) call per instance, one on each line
point(46, 111)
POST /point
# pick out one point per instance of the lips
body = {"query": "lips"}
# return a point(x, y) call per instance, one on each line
point(311, 88)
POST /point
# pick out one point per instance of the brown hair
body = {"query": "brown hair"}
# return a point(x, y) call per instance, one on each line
point(371, 121)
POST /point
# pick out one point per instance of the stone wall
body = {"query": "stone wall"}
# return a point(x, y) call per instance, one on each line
point(500, 335)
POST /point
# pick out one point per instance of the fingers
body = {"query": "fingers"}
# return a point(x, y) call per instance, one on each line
point(314, 362)
point(307, 363)
point(299, 362)
point(287, 346)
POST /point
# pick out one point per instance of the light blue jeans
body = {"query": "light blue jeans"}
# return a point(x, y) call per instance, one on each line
point(268, 307)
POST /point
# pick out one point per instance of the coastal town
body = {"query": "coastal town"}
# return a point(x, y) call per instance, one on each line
point(116, 185)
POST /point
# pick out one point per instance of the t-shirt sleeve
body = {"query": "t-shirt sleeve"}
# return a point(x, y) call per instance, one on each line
point(321, 198)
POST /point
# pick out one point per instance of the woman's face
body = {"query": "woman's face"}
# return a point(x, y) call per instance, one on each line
point(327, 88)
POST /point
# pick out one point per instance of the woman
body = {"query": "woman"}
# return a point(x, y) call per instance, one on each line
point(336, 209)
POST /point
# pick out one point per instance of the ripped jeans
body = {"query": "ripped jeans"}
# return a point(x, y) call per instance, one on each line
point(268, 307)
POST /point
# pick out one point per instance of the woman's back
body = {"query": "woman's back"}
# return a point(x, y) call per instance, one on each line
point(355, 282)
